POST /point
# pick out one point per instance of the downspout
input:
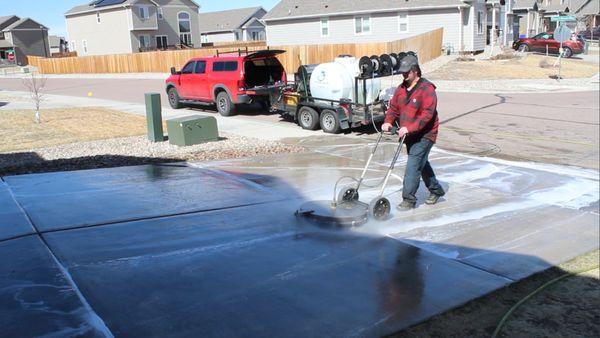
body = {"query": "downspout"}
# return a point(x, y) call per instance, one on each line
point(460, 31)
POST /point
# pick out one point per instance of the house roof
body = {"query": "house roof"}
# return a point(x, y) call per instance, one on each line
point(288, 9)
point(111, 4)
point(54, 40)
point(6, 21)
point(224, 21)
point(591, 7)
point(23, 21)
point(574, 6)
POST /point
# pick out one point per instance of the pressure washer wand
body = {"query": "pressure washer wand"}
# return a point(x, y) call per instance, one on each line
point(362, 176)
point(393, 164)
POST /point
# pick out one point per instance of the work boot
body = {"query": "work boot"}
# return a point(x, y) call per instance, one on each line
point(432, 199)
point(406, 205)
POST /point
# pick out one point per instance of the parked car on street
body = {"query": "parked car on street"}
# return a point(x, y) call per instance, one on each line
point(543, 41)
point(591, 34)
point(227, 79)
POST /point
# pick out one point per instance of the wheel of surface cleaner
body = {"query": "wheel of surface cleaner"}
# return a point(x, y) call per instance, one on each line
point(379, 208)
point(348, 194)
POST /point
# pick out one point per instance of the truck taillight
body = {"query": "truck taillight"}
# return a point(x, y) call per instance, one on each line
point(241, 85)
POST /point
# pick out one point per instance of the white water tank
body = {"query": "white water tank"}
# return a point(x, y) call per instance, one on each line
point(335, 81)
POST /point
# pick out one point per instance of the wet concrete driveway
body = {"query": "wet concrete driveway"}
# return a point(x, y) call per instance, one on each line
point(214, 249)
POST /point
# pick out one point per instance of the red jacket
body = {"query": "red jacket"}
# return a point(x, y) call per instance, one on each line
point(417, 113)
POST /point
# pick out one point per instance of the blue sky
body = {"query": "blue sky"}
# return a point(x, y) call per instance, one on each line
point(50, 12)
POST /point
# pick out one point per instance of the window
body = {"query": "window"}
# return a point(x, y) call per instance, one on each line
point(226, 66)
point(160, 14)
point(84, 46)
point(200, 67)
point(2, 36)
point(204, 38)
point(362, 24)
point(98, 17)
point(236, 35)
point(188, 68)
point(161, 41)
point(403, 22)
point(144, 12)
point(324, 27)
point(254, 36)
point(185, 28)
point(480, 22)
point(144, 41)
point(73, 46)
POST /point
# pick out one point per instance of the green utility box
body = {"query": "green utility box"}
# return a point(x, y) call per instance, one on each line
point(190, 130)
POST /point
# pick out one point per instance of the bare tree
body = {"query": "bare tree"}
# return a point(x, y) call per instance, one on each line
point(35, 84)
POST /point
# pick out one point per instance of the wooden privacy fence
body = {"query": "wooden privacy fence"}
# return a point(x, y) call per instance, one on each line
point(428, 46)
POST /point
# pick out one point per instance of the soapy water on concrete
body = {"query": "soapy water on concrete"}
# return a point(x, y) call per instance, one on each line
point(519, 186)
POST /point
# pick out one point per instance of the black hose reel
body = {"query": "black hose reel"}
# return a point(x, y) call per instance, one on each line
point(383, 65)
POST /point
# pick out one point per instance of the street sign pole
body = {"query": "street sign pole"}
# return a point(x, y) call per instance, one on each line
point(562, 33)
point(560, 51)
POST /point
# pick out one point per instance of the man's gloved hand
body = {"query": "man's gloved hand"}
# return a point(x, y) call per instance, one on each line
point(386, 127)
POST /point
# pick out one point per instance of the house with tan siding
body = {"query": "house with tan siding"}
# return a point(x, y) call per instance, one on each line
point(293, 22)
point(130, 26)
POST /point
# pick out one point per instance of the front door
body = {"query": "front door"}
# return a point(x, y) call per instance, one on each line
point(200, 88)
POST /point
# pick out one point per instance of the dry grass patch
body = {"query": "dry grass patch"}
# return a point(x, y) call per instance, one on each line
point(527, 67)
point(18, 130)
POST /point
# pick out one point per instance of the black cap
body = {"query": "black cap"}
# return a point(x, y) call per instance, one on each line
point(407, 63)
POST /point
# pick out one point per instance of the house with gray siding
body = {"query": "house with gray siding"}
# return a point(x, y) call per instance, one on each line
point(22, 37)
point(242, 24)
point(535, 16)
point(293, 22)
point(58, 44)
point(129, 26)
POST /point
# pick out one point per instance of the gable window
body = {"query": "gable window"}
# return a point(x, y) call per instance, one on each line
point(362, 24)
point(324, 27)
point(161, 41)
point(84, 46)
point(403, 22)
point(144, 12)
point(185, 28)
point(144, 41)
point(160, 14)
point(480, 22)
point(98, 17)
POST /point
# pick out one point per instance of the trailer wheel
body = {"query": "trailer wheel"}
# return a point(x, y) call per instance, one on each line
point(330, 122)
point(308, 118)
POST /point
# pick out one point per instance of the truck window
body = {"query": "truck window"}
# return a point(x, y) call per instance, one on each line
point(225, 66)
point(188, 68)
point(200, 67)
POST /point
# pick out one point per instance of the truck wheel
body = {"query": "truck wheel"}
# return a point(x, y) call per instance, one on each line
point(330, 122)
point(524, 48)
point(308, 118)
point(174, 98)
point(224, 104)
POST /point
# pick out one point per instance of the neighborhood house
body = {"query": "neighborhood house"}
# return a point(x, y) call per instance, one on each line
point(130, 26)
point(21, 37)
point(234, 25)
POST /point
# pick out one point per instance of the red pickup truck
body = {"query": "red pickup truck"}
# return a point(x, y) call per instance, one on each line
point(227, 80)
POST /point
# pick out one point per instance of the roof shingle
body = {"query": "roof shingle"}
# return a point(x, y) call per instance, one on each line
point(228, 20)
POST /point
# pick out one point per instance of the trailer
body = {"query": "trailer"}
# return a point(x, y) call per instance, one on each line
point(333, 116)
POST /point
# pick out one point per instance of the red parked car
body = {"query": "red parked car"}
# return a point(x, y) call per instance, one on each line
point(227, 80)
point(539, 42)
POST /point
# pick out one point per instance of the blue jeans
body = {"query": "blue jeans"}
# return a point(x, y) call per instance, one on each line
point(418, 167)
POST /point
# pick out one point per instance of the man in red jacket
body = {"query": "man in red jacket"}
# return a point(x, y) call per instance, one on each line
point(414, 110)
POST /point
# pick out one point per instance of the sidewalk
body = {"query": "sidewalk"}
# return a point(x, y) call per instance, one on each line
point(238, 125)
